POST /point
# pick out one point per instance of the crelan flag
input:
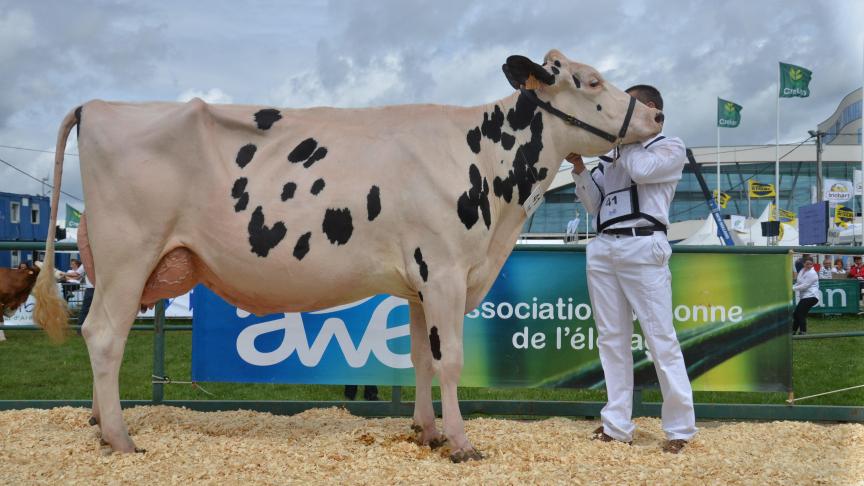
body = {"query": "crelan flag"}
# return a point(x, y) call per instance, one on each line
point(728, 114)
point(785, 216)
point(757, 189)
point(794, 81)
point(724, 198)
point(73, 217)
point(843, 216)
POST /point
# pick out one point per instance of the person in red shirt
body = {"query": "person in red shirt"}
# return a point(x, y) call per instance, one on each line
point(857, 268)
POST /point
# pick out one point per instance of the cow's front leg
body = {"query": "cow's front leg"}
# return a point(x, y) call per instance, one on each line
point(444, 308)
point(421, 358)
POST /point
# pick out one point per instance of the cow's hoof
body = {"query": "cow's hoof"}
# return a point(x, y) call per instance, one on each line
point(93, 421)
point(437, 442)
point(140, 450)
point(467, 455)
point(433, 438)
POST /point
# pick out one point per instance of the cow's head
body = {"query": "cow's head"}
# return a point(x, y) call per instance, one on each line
point(580, 91)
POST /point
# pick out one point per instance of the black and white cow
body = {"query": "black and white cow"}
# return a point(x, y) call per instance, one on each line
point(283, 210)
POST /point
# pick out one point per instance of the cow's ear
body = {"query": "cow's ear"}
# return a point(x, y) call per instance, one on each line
point(523, 72)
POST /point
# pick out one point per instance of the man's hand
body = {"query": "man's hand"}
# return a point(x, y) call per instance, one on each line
point(576, 160)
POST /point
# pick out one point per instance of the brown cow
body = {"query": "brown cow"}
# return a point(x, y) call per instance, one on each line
point(15, 286)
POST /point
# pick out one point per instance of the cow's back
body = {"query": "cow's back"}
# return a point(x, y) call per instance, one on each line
point(320, 204)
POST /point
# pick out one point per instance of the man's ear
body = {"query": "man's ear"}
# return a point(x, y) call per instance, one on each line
point(523, 72)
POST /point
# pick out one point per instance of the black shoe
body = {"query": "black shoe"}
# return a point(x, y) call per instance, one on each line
point(350, 392)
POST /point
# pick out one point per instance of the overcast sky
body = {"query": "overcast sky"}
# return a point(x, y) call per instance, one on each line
point(54, 55)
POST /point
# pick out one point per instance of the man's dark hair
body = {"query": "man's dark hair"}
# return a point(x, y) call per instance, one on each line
point(646, 93)
point(807, 259)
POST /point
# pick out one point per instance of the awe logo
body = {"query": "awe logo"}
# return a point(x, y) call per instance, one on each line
point(374, 339)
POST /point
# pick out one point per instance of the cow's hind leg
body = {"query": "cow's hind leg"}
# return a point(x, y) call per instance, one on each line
point(421, 358)
point(444, 310)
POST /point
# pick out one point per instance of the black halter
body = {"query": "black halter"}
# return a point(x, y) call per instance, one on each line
point(572, 120)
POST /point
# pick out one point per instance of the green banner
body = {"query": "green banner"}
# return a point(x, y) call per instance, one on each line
point(838, 296)
point(535, 328)
point(728, 114)
point(73, 217)
point(794, 81)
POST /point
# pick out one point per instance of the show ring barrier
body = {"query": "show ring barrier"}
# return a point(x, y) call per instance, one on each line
point(767, 327)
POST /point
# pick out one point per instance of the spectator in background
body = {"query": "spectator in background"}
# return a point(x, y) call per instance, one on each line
point(370, 392)
point(857, 268)
point(807, 286)
point(825, 272)
point(839, 267)
point(81, 274)
point(799, 263)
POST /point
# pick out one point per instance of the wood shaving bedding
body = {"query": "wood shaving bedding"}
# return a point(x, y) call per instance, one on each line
point(331, 446)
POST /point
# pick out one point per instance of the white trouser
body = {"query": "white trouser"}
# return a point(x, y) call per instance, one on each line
point(627, 273)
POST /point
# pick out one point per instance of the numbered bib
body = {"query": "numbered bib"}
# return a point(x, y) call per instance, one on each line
point(619, 205)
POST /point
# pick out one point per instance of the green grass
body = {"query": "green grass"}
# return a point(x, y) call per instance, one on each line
point(32, 368)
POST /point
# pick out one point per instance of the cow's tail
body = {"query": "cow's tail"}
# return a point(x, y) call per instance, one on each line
point(51, 312)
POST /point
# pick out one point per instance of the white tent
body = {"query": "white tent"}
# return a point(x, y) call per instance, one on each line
point(707, 235)
point(752, 232)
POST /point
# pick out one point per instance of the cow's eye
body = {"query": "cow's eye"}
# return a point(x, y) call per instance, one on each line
point(594, 83)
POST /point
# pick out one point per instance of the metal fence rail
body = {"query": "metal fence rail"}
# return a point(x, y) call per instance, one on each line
point(396, 407)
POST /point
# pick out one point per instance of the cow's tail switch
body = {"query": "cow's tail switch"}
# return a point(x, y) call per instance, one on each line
point(51, 312)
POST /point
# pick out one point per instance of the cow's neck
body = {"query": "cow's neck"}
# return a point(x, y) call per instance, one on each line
point(523, 153)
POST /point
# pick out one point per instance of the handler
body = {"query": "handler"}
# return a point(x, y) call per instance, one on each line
point(628, 270)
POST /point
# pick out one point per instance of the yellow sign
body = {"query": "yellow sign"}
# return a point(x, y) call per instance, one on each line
point(843, 216)
point(724, 198)
point(785, 216)
point(757, 190)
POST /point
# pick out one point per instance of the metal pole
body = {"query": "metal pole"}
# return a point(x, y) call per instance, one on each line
point(718, 166)
point(777, 153)
point(819, 181)
point(159, 351)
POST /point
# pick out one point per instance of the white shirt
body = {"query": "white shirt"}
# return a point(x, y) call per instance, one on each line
point(655, 170)
point(825, 272)
point(807, 284)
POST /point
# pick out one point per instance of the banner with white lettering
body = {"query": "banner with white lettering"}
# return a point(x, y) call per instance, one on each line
point(535, 328)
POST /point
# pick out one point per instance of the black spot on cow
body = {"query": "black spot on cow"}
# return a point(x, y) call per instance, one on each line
point(599, 107)
point(317, 187)
point(474, 201)
point(555, 70)
point(491, 127)
point(473, 139)
point(503, 188)
point(302, 246)
point(337, 225)
point(373, 203)
point(266, 118)
point(424, 269)
point(435, 343)
point(303, 150)
point(420, 294)
point(576, 82)
point(245, 154)
point(521, 115)
point(239, 193)
point(288, 190)
point(507, 140)
point(318, 155)
point(261, 237)
point(524, 173)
